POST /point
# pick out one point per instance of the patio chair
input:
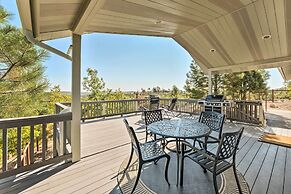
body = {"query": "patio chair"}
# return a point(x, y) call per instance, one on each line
point(147, 152)
point(215, 122)
point(152, 116)
point(168, 109)
point(154, 103)
point(218, 163)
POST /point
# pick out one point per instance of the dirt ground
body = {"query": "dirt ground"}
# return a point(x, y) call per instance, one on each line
point(280, 104)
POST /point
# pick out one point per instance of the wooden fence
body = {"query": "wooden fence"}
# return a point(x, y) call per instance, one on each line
point(99, 109)
point(242, 111)
point(246, 111)
point(46, 123)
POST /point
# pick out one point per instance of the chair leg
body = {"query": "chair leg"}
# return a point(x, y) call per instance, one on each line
point(137, 178)
point(146, 137)
point(205, 148)
point(168, 158)
point(204, 169)
point(236, 179)
point(194, 142)
point(156, 161)
point(215, 183)
point(130, 158)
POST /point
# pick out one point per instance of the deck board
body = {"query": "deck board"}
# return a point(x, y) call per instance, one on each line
point(287, 177)
point(263, 178)
point(105, 144)
point(255, 167)
point(277, 180)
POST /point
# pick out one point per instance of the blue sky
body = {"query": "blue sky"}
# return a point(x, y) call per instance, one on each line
point(125, 62)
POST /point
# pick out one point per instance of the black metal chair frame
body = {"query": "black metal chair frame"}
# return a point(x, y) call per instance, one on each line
point(152, 116)
point(168, 109)
point(215, 122)
point(145, 153)
point(154, 103)
point(218, 163)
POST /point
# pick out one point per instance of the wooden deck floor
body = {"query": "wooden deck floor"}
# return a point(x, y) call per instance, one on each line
point(105, 144)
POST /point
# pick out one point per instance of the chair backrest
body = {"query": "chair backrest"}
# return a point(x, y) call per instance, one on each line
point(228, 144)
point(152, 116)
point(154, 102)
point(133, 138)
point(172, 104)
point(213, 120)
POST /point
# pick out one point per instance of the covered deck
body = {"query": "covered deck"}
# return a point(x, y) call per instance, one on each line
point(222, 36)
point(105, 144)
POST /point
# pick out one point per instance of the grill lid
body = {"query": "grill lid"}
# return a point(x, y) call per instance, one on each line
point(214, 98)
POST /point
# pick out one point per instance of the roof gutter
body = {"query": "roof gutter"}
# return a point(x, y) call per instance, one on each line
point(30, 38)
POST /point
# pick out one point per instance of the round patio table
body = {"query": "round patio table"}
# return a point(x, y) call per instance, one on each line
point(180, 129)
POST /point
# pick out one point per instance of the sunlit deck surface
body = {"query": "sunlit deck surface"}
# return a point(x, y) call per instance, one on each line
point(105, 144)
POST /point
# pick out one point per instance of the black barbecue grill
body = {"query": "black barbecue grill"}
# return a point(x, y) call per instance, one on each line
point(214, 103)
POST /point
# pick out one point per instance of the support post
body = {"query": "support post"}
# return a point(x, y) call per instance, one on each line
point(76, 99)
point(209, 83)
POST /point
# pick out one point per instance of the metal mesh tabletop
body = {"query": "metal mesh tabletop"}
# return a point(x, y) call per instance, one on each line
point(179, 128)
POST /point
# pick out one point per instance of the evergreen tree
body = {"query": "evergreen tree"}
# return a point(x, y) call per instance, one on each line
point(22, 81)
point(95, 85)
point(175, 91)
point(196, 82)
point(237, 86)
point(242, 85)
point(218, 82)
point(54, 96)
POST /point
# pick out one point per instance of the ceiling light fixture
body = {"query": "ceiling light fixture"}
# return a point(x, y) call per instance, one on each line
point(158, 22)
point(267, 36)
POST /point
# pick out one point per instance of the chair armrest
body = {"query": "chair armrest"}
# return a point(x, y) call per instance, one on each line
point(211, 139)
point(165, 106)
point(142, 108)
point(202, 152)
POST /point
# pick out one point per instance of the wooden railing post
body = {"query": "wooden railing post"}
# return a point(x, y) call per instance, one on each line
point(54, 140)
point(19, 147)
point(4, 149)
point(31, 147)
point(65, 137)
point(37, 143)
point(262, 115)
point(43, 140)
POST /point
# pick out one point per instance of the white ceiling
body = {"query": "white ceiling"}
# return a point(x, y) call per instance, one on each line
point(222, 36)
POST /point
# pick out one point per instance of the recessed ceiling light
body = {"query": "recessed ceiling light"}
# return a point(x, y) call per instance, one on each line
point(212, 50)
point(159, 21)
point(267, 36)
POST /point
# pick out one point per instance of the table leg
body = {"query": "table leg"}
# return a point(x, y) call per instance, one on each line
point(182, 163)
point(178, 158)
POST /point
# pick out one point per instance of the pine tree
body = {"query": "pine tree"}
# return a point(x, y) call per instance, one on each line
point(95, 85)
point(242, 85)
point(22, 81)
point(196, 82)
point(175, 91)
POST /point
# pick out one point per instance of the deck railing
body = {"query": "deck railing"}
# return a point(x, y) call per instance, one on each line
point(247, 112)
point(56, 128)
point(242, 111)
point(106, 108)
point(47, 125)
